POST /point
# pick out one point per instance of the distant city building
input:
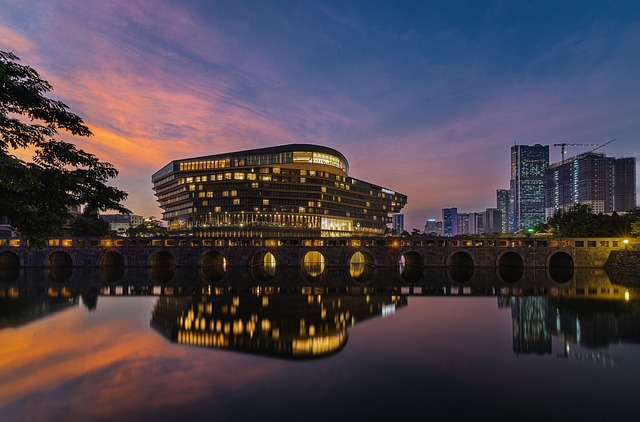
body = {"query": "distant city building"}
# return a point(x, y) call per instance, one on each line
point(433, 227)
point(397, 223)
point(463, 223)
point(449, 222)
point(527, 186)
point(492, 221)
point(476, 223)
point(606, 184)
point(122, 222)
point(294, 190)
point(502, 203)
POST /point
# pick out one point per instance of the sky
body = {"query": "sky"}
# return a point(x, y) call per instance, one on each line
point(422, 97)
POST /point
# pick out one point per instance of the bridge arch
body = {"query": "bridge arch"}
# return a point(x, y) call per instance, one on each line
point(59, 259)
point(361, 266)
point(410, 266)
point(59, 266)
point(313, 264)
point(510, 267)
point(460, 259)
point(9, 259)
point(560, 267)
point(213, 266)
point(112, 259)
point(9, 266)
point(263, 266)
point(162, 259)
point(213, 259)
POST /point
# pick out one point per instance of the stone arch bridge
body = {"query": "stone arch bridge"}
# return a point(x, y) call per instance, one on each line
point(416, 252)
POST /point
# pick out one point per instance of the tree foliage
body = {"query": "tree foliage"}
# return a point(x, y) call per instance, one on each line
point(150, 228)
point(37, 195)
point(89, 225)
point(580, 221)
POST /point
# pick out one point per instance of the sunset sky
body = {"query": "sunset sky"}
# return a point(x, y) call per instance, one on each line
point(422, 97)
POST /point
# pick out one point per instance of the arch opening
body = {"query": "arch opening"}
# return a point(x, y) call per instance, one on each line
point(112, 259)
point(9, 259)
point(163, 267)
point(263, 266)
point(313, 264)
point(461, 259)
point(561, 267)
point(361, 266)
point(163, 259)
point(213, 266)
point(9, 266)
point(510, 267)
point(410, 266)
point(60, 259)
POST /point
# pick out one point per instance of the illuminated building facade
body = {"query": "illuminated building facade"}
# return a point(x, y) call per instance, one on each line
point(449, 222)
point(606, 184)
point(291, 190)
point(527, 186)
point(502, 203)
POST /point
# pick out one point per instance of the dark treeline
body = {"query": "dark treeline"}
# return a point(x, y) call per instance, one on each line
point(580, 221)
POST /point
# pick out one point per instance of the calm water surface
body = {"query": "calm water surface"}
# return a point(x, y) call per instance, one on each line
point(186, 345)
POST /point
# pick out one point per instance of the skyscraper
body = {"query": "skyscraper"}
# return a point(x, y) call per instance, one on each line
point(502, 203)
point(606, 184)
point(449, 222)
point(433, 227)
point(527, 186)
point(492, 221)
point(397, 223)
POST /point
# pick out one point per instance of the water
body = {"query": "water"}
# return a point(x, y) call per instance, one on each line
point(177, 344)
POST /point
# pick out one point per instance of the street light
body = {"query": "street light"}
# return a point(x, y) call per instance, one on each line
point(626, 242)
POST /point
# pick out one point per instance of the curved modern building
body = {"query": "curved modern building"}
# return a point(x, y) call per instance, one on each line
point(296, 190)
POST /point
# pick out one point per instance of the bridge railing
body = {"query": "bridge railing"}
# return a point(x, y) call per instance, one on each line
point(394, 242)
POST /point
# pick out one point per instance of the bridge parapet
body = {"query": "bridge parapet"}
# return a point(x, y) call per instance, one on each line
point(340, 252)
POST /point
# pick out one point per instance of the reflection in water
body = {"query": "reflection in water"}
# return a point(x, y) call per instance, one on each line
point(510, 273)
point(460, 274)
point(111, 274)
point(313, 264)
point(263, 266)
point(293, 317)
point(9, 274)
point(162, 273)
point(293, 326)
point(60, 274)
point(561, 274)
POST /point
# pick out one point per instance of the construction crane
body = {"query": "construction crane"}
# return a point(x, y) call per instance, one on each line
point(564, 144)
point(601, 146)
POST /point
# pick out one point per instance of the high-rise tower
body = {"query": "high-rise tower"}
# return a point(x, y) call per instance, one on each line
point(606, 184)
point(527, 186)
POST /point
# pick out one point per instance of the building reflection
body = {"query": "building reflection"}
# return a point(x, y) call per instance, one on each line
point(593, 324)
point(302, 325)
point(290, 314)
point(17, 310)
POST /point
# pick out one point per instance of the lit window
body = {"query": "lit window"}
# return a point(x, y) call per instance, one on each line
point(236, 201)
point(265, 202)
